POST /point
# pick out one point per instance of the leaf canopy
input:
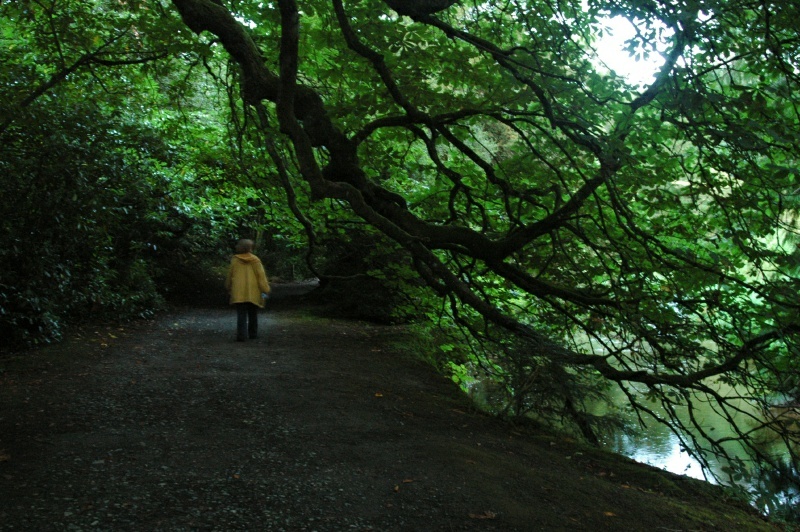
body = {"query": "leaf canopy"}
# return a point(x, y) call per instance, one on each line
point(582, 228)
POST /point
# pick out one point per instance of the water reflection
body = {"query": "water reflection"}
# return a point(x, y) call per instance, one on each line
point(655, 444)
point(661, 451)
point(768, 493)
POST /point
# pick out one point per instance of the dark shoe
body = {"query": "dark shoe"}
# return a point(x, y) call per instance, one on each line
point(254, 337)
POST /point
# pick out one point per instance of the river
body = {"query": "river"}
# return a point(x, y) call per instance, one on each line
point(655, 444)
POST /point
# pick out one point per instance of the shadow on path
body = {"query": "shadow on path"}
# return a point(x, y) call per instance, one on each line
point(318, 425)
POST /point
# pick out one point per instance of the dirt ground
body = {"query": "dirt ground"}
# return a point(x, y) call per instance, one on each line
point(319, 425)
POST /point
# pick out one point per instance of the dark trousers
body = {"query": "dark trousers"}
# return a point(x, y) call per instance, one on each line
point(246, 321)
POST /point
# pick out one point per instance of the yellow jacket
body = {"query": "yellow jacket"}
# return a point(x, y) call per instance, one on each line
point(247, 280)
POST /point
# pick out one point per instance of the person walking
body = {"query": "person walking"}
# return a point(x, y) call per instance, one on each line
point(248, 287)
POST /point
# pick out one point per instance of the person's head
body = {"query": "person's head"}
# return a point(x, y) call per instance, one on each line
point(244, 245)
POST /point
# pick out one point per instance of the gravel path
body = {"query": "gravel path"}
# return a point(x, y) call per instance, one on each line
point(319, 425)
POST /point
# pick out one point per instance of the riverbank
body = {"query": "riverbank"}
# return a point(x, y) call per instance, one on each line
point(320, 425)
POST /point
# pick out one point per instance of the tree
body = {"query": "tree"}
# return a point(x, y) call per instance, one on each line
point(645, 235)
point(584, 232)
point(102, 194)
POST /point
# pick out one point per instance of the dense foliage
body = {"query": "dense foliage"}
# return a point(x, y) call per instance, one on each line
point(576, 232)
point(121, 182)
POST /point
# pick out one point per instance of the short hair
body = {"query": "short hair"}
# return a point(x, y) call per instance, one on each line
point(244, 245)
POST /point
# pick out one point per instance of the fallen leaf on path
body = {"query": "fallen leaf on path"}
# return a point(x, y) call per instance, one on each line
point(609, 514)
point(408, 481)
point(378, 394)
point(485, 515)
point(4, 456)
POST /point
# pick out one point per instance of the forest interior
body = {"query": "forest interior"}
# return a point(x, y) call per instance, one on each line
point(575, 249)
